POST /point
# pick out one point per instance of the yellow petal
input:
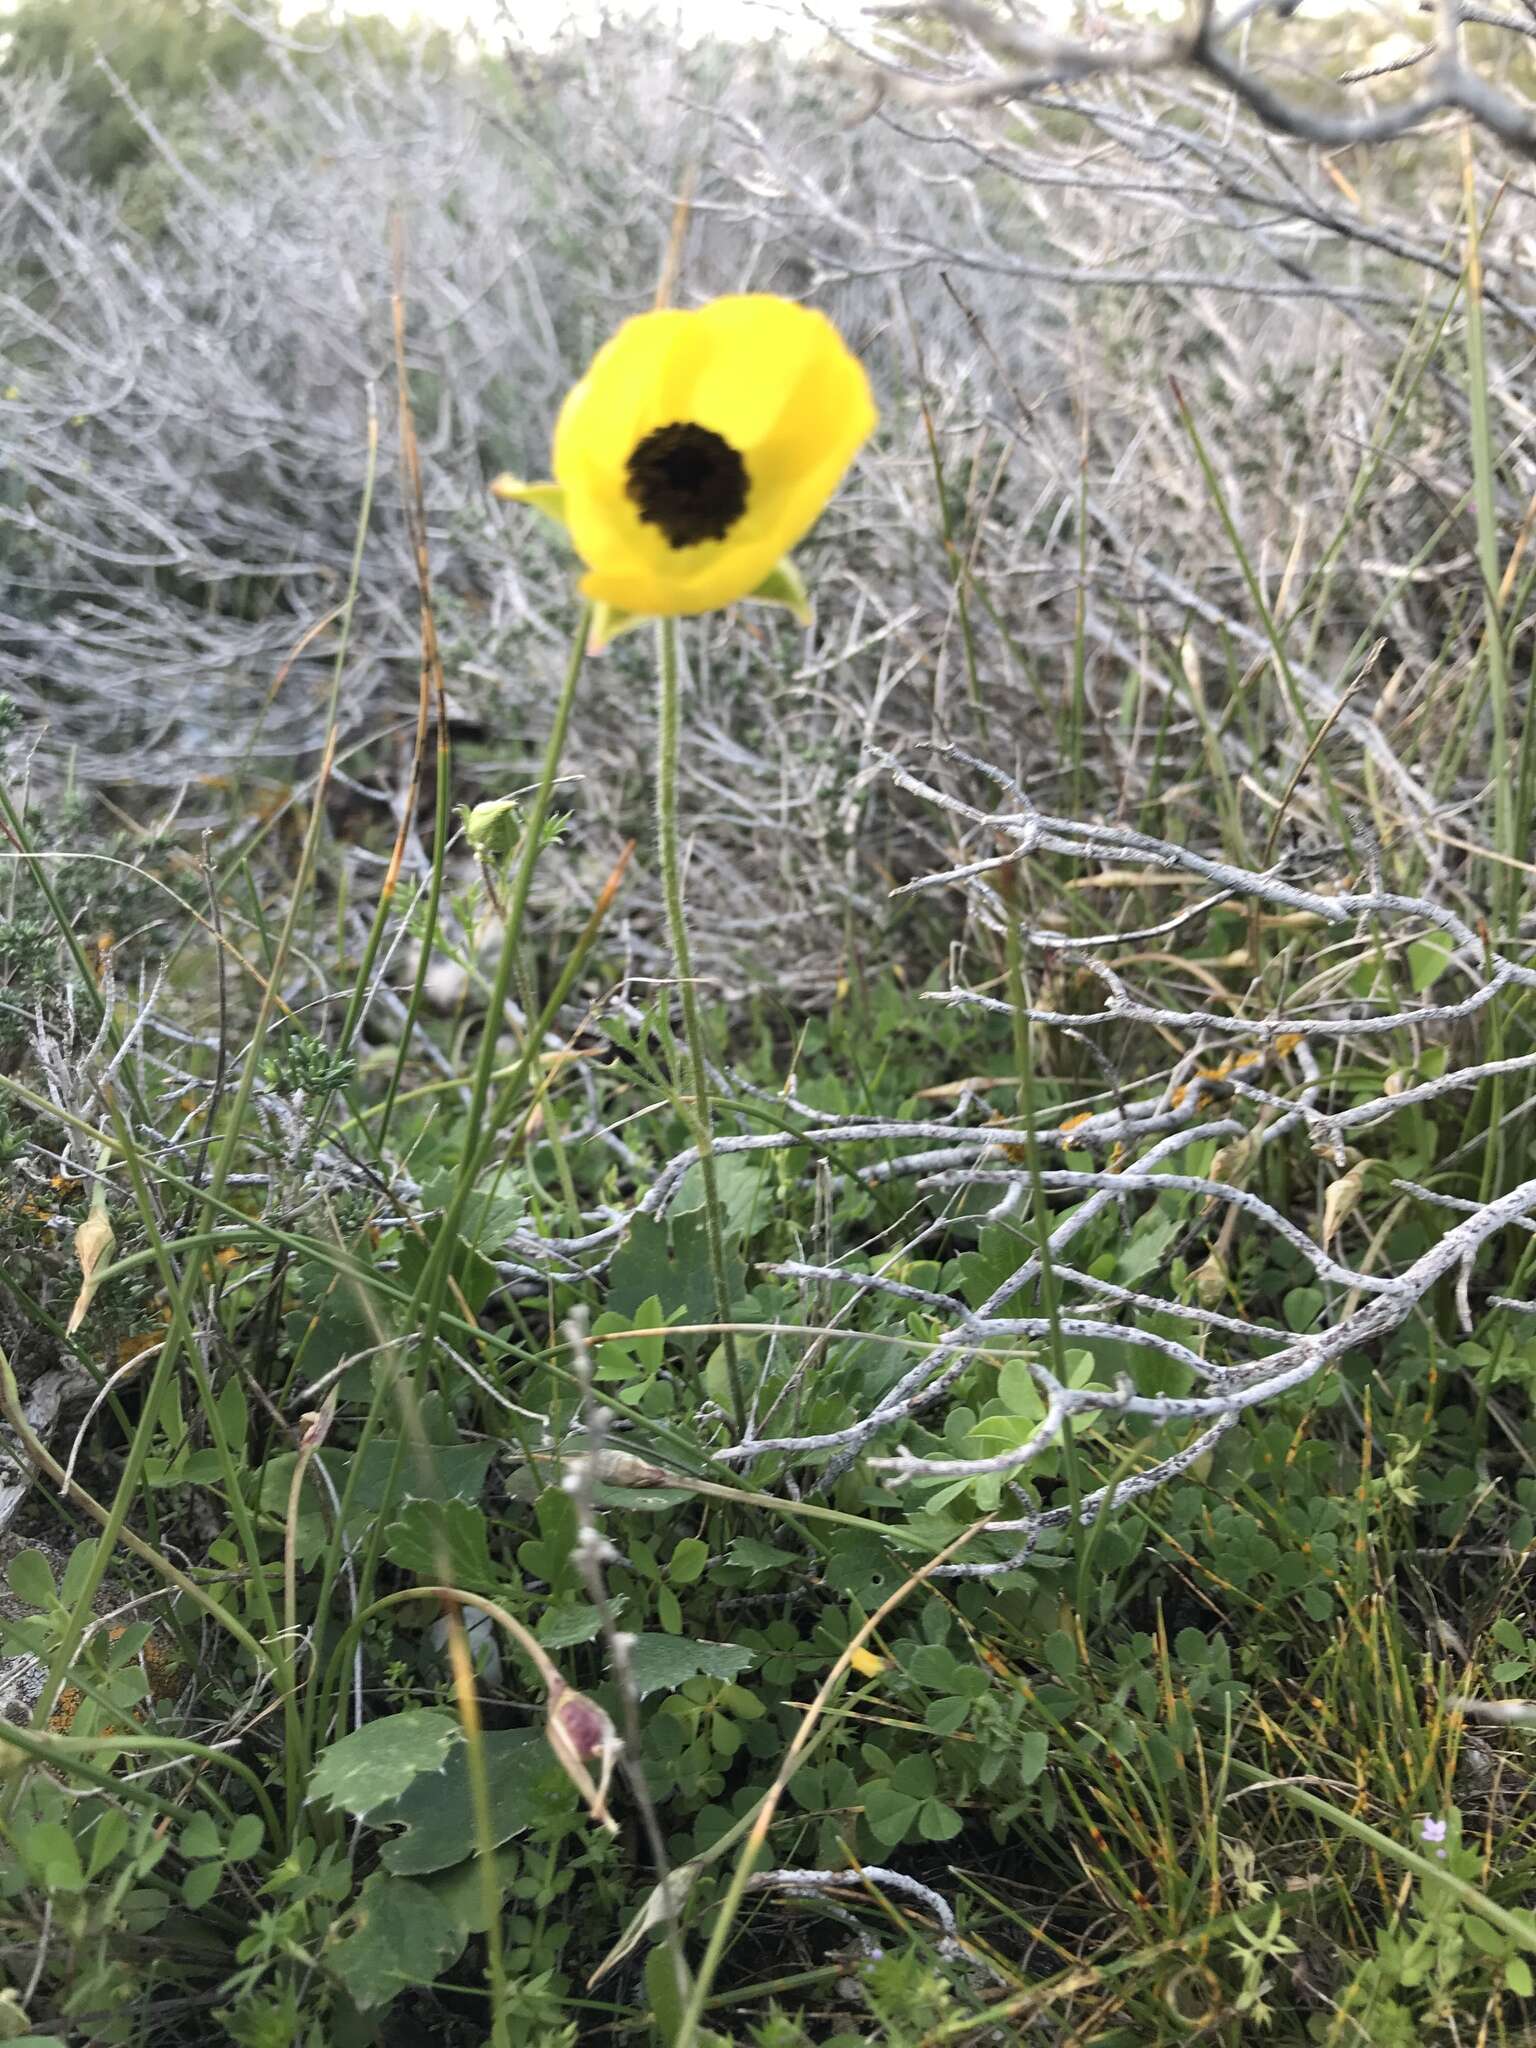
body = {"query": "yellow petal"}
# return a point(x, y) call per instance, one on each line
point(758, 351)
point(623, 395)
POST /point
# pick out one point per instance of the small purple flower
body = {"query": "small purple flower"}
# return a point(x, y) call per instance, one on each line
point(1432, 1830)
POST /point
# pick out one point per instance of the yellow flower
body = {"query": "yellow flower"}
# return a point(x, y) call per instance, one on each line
point(695, 453)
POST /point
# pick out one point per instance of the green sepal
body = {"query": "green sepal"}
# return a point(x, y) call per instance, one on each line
point(786, 586)
point(608, 622)
point(546, 499)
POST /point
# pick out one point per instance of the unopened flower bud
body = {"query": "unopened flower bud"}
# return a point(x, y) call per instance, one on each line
point(1211, 1281)
point(494, 828)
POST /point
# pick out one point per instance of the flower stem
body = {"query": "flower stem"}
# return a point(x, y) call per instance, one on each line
point(698, 1113)
point(482, 1121)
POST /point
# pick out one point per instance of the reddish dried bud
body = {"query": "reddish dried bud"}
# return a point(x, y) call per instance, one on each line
point(315, 1423)
point(582, 1724)
point(580, 1733)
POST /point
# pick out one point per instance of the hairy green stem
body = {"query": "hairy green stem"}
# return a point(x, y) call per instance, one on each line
point(699, 1118)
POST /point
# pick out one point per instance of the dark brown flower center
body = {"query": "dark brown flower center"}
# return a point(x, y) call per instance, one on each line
point(687, 481)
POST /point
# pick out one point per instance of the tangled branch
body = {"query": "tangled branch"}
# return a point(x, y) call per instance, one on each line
point(1235, 1364)
point(1025, 60)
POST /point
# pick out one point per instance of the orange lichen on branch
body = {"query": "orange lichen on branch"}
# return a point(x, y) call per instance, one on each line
point(163, 1671)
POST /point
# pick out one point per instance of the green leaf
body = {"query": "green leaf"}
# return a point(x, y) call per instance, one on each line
point(377, 1763)
point(1192, 1649)
point(742, 1181)
point(937, 1822)
point(30, 1578)
point(932, 1666)
point(444, 1541)
point(405, 1935)
point(234, 1414)
point(996, 1433)
point(105, 1840)
point(1018, 1389)
point(1030, 1753)
point(437, 1813)
point(662, 1663)
point(623, 1358)
point(725, 1738)
point(77, 1571)
point(663, 1997)
point(495, 1209)
point(671, 1265)
point(889, 1812)
point(1517, 1975)
point(1303, 1306)
point(200, 1884)
point(1318, 1602)
point(49, 1852)
point(1427, 958)
point(196, 1468)
point(245, 1838)
point(916, 1776)
point(1147, 1249)
point(547, 1556)
point(126, 1645)
point(1481, 1935)
point(445, 1471)
point(861, 1565)
point(687, 1562)
point(201, 1838)
point(755, 1556)
point(572, 1621)
point(1061, 1653)
point(459, 1889)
